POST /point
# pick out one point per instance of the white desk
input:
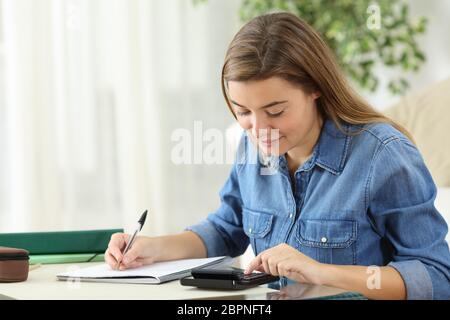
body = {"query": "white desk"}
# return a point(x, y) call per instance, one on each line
point(42, 284)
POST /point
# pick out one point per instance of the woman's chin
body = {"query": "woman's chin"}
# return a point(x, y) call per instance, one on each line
point(272, 151)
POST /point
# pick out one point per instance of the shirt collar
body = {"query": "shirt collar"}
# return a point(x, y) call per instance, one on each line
point(329, 152)
point(332, 147)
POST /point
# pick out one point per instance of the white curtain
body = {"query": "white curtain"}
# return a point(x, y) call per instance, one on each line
point(90, 92)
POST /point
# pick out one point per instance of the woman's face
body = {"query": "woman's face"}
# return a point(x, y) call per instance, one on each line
point(262, 106)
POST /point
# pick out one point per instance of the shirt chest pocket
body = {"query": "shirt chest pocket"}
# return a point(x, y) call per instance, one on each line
point(257, 226)
point(328, 241)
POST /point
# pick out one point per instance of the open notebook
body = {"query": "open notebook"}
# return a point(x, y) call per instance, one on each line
point(152, 274)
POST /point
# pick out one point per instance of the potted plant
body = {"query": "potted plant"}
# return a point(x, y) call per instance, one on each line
point(362, 34)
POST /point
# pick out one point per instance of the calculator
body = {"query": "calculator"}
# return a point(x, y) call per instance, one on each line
point(226, 278)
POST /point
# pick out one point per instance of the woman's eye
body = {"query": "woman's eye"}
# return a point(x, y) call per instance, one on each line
point(243, 114)
point(273, 115)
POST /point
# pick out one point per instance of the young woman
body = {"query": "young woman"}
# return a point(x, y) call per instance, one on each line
point(348, 189)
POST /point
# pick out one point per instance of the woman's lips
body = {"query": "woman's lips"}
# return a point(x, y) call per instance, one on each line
point(270, 142)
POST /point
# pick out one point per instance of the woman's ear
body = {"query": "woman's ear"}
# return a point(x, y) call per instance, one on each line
point(315, 95)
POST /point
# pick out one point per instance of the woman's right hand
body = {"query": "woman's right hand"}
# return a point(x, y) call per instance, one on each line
point(143, 252)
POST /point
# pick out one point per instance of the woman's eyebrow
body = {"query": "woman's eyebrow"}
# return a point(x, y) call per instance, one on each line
point(263, 107)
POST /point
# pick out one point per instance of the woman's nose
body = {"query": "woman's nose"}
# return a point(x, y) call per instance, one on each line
point(260, 128)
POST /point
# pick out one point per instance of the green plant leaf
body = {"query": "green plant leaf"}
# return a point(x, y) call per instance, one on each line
point(359, 49)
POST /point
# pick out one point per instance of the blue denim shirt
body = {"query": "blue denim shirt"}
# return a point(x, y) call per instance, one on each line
point(362, 199)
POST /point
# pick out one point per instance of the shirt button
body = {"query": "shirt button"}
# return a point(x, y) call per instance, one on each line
point(250, 230)
point(291, 215)
point(324, 240)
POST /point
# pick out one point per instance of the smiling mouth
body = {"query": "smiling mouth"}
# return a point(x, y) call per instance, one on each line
point(270, 142)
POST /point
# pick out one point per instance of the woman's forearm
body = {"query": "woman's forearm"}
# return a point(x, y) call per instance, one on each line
point(186, 245)
point(372, 282)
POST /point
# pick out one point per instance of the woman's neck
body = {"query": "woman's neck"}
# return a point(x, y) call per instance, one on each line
point(297, 156)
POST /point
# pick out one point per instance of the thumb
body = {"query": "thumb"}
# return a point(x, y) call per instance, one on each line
point(131, 255)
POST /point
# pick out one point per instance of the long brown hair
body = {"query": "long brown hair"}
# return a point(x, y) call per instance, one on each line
point(281, 44)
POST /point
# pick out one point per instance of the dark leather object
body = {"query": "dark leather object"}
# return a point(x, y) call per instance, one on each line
point(13, 264)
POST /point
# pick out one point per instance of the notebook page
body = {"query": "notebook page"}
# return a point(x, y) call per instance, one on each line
point(156, 270)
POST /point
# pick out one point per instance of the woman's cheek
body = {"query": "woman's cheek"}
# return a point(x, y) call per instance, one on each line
point(244, 123)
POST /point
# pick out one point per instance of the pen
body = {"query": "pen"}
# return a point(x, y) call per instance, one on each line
point(133, 237)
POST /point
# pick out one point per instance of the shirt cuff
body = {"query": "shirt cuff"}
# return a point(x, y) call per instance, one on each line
point(417, 279)
point(212, 239)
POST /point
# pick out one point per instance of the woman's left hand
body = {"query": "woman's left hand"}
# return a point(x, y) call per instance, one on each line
point(284, 260)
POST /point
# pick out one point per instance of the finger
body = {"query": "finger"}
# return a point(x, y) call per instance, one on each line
point(113, 263)
point(118, 240)
point(260, 268)
point(284, 268)
point(110, 259)
point(133, 253)
point(255, 263)
point(265, 264)
point(116, 245)
point(272, 264)
point(281, 266)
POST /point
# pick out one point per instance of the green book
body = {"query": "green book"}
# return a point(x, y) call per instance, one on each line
point(59, 242)
point(66, 258)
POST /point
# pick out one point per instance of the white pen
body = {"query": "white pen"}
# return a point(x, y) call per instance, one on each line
point(133, 237)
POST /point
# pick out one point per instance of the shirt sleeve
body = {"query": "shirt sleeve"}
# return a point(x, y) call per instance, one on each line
point(401, 195)
point(222, 231)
